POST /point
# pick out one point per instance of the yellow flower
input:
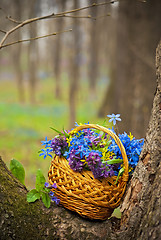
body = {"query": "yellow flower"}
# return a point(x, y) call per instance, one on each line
point(84, 161)
point(106, 154)
point(109, 155)
point(68, 141)
point(130, 169)
point(130, 136)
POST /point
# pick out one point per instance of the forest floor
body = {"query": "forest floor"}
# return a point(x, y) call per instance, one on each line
point(24, 126)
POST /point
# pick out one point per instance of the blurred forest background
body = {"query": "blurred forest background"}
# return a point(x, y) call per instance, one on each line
point(105, 65)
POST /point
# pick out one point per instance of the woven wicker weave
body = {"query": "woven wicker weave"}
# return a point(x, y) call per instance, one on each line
point(81, 192)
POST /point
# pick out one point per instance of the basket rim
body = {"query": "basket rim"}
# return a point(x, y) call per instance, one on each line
point(115, 137)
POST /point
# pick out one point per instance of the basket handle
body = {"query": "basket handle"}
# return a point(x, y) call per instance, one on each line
point(115, 137)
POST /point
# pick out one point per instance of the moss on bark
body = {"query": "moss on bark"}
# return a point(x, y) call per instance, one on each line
point(22, 220)
point(18, 217)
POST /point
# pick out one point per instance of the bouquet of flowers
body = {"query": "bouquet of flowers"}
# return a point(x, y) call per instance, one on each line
point(91, 150)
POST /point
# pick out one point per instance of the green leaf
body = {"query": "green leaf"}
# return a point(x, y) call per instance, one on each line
point(33, 195)
point(116, 213)
point(108, 143)
point(17, 170)
point(40, 180)
point(113, 161)
point(57, 131)
point(119, 174)
point(104, 123)
point(65, 133)
point(46, 199)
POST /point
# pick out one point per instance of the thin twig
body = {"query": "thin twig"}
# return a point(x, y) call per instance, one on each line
point(35, 38)
point(89, 6)
point(68, 16)
point(3, 31)
point(13, 20)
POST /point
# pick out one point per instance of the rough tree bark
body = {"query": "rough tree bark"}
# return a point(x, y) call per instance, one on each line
point(141, 208)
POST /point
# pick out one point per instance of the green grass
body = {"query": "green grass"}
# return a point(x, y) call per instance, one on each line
point(23, 126)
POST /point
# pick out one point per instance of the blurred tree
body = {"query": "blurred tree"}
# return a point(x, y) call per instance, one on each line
point(138, 34)
point(17, 52)
point(58, 50)
point(93, 51)
point(109, 50)
point(32, 51)
point(74, 69)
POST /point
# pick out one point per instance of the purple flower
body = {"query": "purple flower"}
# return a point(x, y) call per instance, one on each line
point(95, 164)
point(59, 145)
point(92, 159)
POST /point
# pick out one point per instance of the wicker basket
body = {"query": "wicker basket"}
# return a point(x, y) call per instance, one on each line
point(81, 192)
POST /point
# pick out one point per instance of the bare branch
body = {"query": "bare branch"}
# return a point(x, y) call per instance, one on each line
point(35, 38)
point(53, 15)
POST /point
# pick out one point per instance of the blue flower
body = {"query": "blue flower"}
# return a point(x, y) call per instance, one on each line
point(55, 199)
point(133, 148)
point(46, 152)
point(47, 143)
point(114, 118)
point(54, 185)
point(46, 184)
point(51, 193)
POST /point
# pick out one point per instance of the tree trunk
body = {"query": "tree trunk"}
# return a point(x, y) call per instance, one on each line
point(17, 50)
point(109, 104)
point(142, 203)
point(141, 21)
point(138, 34)
point(75, 73)
point(94, 46)
point(141, 207)
point(21, 220)
point(58, 51)
point(18, 71)
point(32, 61)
